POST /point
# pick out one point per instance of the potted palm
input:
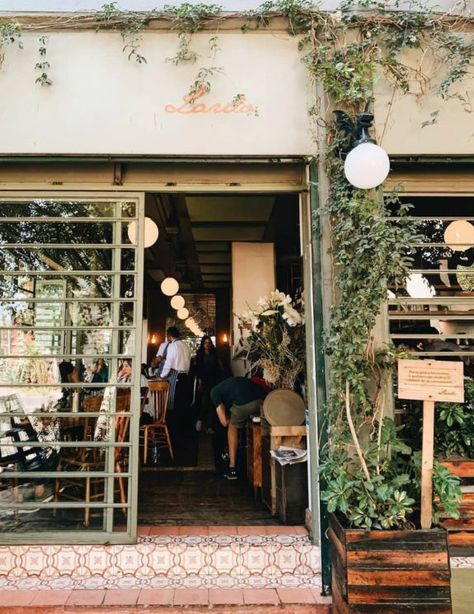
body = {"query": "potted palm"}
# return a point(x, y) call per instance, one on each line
point(371, 477)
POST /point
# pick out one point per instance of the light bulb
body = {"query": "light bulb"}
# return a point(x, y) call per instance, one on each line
point(169, 286)
point(151, 232)
point(366, 166)
point(182, 313)
point(459, 235)
point(177, 302)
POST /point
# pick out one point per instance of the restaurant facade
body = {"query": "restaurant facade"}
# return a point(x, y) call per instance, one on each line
point(109, 143)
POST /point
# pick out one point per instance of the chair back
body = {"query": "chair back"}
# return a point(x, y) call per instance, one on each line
point(159, 396)
point(90, 404)
point(121, 422)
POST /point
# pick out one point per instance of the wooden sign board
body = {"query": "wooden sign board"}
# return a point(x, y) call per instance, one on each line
point(431, 380)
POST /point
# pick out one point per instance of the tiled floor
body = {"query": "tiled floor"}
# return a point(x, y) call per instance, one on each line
point(69, 600)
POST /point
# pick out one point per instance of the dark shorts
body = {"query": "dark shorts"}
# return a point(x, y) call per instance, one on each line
point(239, 414)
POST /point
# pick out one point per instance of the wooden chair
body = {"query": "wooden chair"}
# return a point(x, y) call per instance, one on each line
point(157, 433)
point(90, 459)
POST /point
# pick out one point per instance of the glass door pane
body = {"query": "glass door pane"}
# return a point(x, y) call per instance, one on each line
point(70, 311)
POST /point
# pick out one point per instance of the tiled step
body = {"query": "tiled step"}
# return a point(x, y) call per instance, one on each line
point(263, 557)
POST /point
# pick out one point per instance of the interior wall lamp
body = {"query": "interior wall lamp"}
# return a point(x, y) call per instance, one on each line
point(366, 165)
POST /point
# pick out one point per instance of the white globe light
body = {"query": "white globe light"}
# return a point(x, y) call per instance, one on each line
point(366, 166)
point(459, 235)
point(182, 313)
point(177, 302)
point(151, 232)
point(169, 286)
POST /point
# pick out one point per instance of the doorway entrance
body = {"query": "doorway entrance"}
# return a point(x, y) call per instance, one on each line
point(225, 251)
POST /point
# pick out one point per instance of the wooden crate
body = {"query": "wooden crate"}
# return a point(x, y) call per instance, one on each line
point(272, 438)
point(254, 456)
point(389, 571)
point(461, 531)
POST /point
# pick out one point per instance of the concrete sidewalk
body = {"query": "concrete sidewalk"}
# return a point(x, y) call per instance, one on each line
point(166, 599)
point(462, 590)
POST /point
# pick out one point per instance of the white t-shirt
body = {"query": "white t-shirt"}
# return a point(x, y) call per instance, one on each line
point(178, 357)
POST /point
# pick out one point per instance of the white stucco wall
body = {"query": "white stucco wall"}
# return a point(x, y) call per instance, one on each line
point(102, 103)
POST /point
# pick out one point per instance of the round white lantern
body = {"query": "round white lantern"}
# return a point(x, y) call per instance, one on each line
point(459, 235)
point(151, 232)
point(177, 302)
point(169, 286)
point(182, 313)
point(366, 166)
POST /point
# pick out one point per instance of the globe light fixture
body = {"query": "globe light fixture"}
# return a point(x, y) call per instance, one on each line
point(169, 286)
point(177, 302)
point(151, 232)
point(366, 166)
point(459, 235)
point(182, 313)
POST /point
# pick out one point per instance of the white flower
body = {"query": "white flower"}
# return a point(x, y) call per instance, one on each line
point(292, 317)
point(263, 302)
point(269, 312)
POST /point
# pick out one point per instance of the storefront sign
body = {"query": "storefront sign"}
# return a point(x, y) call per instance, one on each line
point(431, 380)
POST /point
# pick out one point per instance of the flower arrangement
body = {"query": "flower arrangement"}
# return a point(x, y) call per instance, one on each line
point(275, 341)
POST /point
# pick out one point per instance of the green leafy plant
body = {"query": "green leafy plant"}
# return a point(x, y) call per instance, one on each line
point(130, 25)
point(454, 432)
point(43, 65)
point(10, 33)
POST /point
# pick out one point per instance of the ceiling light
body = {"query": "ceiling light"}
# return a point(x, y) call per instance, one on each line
point(177, 302)
point(151, 232)
point(459, 235)
point(182, 313)
point(169, 286)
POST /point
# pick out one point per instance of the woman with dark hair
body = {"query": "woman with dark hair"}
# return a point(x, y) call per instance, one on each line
point(209, 372)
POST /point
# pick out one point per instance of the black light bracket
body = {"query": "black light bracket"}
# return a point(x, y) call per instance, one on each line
point(358, 130)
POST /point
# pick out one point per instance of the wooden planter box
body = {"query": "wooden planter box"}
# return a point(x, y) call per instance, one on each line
point(389, 571)
point(461, 531)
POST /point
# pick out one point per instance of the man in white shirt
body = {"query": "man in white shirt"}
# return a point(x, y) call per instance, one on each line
point(178, 355)
point(176, 368)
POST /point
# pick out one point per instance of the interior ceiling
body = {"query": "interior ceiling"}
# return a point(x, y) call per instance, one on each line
point(196, 232)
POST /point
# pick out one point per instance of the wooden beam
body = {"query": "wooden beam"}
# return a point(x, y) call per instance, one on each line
point(193, 267)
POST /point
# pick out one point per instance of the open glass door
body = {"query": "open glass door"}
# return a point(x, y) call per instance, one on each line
point(70, 314)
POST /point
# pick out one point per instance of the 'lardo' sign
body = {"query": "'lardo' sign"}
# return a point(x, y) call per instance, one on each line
point(431, 380)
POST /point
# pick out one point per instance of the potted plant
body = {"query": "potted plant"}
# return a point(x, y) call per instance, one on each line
point(275, 340)
point(454, 448)
point(371, 477)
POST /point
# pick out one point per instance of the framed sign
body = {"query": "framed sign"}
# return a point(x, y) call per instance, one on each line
point(431, 380)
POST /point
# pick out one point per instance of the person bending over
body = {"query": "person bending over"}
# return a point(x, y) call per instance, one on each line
point(235, 400)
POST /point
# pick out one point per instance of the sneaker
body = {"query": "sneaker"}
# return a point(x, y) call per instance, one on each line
point(198, 426)
point(225, 456)
point(231, 474)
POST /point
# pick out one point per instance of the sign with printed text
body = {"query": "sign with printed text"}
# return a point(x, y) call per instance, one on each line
point(431, 380)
